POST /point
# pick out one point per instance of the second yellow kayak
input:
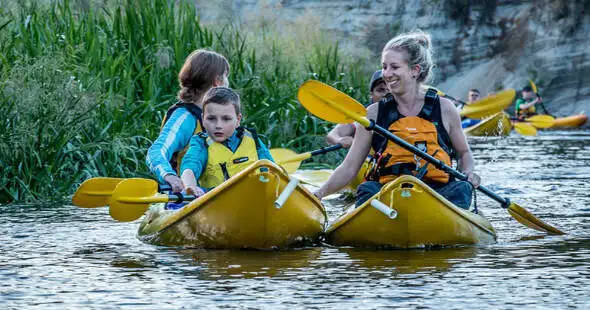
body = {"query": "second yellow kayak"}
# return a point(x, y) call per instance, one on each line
point(422, 218)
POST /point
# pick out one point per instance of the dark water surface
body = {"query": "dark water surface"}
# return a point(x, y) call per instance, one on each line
point(58, 257)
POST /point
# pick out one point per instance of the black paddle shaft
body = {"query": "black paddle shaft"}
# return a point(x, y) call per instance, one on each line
point(326, 149)
point(178, 197)
point(437, 163)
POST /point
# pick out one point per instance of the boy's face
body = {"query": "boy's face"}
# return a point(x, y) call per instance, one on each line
point(220, 121)
point(473, 96)
point(379, 91)
point(527, 95)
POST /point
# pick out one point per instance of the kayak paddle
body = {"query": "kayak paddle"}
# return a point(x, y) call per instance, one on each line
point(485, 107)
point(534, 88)
point(489, 105)
point(132, 197)
point(539, 121)
point(334, 106)
point(525, 129)
point(291, 160)
point(97, 192)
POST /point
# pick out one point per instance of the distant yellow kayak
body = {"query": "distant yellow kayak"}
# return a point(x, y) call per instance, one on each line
point(241, 213)
point(570, 121)
point(417, 217)
point(492, 126)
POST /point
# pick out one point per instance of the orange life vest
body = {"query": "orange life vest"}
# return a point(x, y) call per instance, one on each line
point(425, 131)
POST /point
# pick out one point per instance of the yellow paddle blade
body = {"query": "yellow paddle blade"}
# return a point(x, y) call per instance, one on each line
point(315, 178)
point(132, 197)
point(541, 121)
point(95, 192)
point(331, 104)
point(489, 105)
point(525, 129)
point(288, 159)
point(528, 219)
point(533, 86)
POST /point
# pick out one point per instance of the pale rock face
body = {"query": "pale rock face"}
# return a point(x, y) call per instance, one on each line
point(494, 45)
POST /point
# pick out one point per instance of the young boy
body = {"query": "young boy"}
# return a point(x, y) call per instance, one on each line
point(472, 96)
point(525, 106)
point(344, 133)
point(225, 149)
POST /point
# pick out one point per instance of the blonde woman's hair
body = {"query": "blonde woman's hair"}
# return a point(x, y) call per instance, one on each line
point(418, 47)
point(198, 74)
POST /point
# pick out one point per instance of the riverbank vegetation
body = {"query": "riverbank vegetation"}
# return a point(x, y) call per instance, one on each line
point(84, 86)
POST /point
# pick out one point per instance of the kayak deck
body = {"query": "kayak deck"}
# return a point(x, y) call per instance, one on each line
point(424, 219)
point(240, 213)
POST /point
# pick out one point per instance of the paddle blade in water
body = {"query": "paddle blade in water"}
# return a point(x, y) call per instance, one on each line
point(95, 192)
point(528, 219)
point(525, 129)
point(330, 104)
point(284, 157)
point(541, 121)
point(489, 105)
point(132, 198)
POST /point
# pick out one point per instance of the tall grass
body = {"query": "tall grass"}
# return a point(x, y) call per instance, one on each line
point(83, 88)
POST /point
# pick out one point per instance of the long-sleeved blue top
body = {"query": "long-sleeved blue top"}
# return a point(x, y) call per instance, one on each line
point(196, 157)
point(174, 136)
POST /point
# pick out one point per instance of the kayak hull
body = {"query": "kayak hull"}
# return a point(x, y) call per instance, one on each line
point(570, 121)
point(240, 213)
point(424, 219)
point(492, 126)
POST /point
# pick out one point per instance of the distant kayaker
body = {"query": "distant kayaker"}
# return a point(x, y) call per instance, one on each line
point(472, 96)
point(416, 115)
point(344, 133)
point(224, 148)
point(525, 106)
point(202, 70)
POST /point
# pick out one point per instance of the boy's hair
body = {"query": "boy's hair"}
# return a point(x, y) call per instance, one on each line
point(222, 95)
point(474, 90)
point(527, 89)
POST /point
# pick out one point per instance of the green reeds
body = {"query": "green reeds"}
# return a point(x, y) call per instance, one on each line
point(83, 89)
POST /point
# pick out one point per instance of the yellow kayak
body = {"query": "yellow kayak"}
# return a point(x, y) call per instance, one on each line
point(570, 121)
point(492, 126)
point(241, 213)
point(415, 216)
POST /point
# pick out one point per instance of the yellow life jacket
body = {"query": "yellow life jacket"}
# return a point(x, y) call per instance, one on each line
point(526, 112)
point(222, 163)
point(425, 131)
point(176, 158)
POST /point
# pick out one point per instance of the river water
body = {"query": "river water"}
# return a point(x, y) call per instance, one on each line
point(58, 257)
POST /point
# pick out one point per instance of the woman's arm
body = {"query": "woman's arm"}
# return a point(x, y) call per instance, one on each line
point(174, 136)
point(452, 123)
point(343, 134)
point(351, 165)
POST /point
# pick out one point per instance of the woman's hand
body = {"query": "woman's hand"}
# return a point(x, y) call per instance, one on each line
point(175, 182)
point(194, 190)
point(474, 179)
point(318, 194)
point(346, 141)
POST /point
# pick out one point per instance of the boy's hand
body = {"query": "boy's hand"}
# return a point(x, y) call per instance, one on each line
point(195, 190)
point(175, 182)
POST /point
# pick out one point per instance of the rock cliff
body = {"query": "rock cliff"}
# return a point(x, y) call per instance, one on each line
point(484, 44)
